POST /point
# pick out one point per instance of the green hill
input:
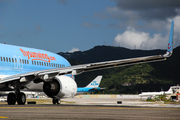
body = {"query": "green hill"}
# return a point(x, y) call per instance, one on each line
point(129, 79)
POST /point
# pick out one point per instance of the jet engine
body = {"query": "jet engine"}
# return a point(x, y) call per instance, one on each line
point(61, 87)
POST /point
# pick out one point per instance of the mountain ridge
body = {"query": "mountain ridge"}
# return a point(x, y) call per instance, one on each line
point(107, 53)
point(140, 77)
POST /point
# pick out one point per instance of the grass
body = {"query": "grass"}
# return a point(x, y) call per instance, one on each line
point(46, 101)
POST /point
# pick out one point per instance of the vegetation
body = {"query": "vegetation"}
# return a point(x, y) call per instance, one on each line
point(159, 98)
point(129, 79)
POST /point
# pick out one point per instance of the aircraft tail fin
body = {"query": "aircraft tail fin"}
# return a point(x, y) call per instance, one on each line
point(170, 43)
point(95, 82)
point(170, 89)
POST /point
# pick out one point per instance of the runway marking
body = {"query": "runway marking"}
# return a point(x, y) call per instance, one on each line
point(90, 107)
point(3, 117)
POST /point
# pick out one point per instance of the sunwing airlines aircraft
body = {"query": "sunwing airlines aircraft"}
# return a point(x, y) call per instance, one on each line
point(91, 87)
point(39, 70)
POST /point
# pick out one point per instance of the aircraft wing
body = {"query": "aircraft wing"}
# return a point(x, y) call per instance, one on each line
point(78, 69)
point(97, 89)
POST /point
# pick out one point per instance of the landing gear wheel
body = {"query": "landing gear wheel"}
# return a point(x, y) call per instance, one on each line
point(56, 101)
point(21, 98)
point(11, 99)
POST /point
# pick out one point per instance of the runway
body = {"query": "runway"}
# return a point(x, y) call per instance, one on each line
point(83, 112)
point(90, 109)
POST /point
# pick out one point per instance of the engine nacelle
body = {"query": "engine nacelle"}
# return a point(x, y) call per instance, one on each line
point(61, 87)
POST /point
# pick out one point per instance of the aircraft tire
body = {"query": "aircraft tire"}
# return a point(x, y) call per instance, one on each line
point(56, 101)
point(21, 98)
point(11, 99)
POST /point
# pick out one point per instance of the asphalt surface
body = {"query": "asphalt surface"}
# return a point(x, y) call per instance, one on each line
point(84, 112)
point(91, 109)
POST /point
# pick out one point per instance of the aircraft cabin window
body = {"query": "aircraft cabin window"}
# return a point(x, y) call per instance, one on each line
point(15, 60)
point(6, 59)
point(42, 63)
point(49, 65)
point(12, 60)
point(9, 59)
point(1, 59)
point(27, 61)
point(35, 62)
point(20, 60)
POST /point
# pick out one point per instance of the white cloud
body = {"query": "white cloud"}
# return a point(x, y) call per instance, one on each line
point(141, 40)
point(74, 50)
point(144, 40)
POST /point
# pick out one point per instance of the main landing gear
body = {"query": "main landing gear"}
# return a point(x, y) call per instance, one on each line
point(20, 98)
point(56, 101)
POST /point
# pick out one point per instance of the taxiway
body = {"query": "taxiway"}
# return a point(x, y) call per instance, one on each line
point(91, 109)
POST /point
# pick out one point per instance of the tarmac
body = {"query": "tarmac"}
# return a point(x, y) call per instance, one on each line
point(114, 102)
point(91, 109)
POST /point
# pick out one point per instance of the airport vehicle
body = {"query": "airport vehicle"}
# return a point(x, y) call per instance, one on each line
point(172, 90)
point(40, 70)
point(91, 87)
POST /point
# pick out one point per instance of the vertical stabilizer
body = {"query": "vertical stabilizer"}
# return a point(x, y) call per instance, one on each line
point(95, 82)
point(170, 90)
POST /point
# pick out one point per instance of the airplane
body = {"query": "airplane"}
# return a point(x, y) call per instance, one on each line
point(172, 90)
point(91, 87)
point(43, 71)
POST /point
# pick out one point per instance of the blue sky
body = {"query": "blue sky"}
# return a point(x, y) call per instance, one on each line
point(61, 25)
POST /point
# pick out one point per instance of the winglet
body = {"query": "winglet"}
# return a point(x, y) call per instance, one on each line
point(170, 43)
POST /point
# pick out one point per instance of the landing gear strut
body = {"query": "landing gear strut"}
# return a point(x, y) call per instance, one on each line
point(20, 98)
point(56, 101)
